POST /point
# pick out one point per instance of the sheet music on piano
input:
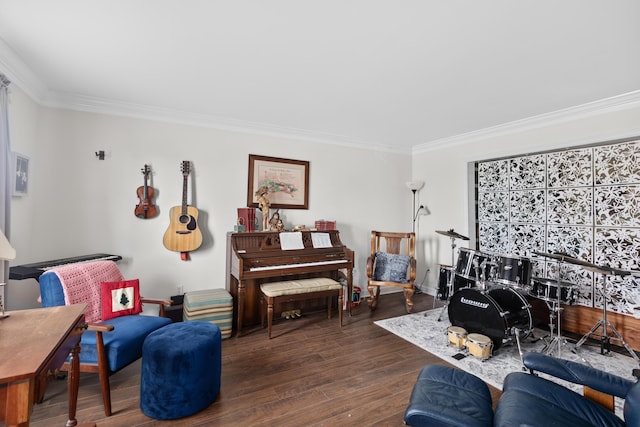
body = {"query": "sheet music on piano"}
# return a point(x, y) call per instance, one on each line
point(321, 240)
point(290, 240)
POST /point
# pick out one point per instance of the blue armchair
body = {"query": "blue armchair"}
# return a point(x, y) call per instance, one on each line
point(445, 396)
point(105, 347)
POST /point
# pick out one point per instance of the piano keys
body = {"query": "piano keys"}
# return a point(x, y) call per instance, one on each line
point(257, 257)
point(35, 270)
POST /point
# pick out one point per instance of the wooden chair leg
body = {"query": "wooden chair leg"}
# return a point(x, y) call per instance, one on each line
point(262, 310)
point(103, 373)
point(269, 315)
point(374, 293)
point(340, 308)
point(408, 294)
point(329, 307)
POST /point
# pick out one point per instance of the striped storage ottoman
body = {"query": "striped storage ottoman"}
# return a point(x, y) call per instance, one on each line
point(210, 305)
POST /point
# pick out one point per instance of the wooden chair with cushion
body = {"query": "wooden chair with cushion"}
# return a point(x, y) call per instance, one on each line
point(391, 263)
point(116, 331)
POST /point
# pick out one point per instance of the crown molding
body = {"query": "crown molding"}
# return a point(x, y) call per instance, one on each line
point(117, 108)
point(607, 105)
point(21, 75)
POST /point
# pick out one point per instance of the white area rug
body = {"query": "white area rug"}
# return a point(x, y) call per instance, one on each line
point(424, 330)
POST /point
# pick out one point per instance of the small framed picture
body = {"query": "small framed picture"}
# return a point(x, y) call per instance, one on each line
point(20, 176)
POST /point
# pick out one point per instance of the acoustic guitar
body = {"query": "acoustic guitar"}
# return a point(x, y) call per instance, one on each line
point(183, 234)
point(145, 209)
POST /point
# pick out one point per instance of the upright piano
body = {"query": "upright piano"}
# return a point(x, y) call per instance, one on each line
point(254, 258)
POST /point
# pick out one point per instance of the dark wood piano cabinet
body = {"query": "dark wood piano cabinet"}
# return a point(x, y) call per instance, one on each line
point(256, 257)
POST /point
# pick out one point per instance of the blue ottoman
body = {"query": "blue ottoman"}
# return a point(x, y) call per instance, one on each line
point(181, 366)
point(445, 396)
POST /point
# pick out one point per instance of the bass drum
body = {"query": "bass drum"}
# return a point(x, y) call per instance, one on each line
point(496, 314)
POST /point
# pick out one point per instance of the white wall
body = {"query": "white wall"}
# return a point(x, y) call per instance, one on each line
point(78, 204)
point(445, 173)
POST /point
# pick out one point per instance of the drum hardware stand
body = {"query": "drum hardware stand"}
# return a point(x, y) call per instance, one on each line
point(555, 306)
point(516, 332)
point(453, 236)
point(558, 340)
point(605, 340)
point(481, 281)
point(449, 279)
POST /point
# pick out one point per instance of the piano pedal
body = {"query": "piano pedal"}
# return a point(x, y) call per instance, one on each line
point(291, 314)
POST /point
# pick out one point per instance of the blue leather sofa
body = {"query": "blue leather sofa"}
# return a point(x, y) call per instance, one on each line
point(445, 396)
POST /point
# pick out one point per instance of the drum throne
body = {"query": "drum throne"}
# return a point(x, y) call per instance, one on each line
point(392, 263)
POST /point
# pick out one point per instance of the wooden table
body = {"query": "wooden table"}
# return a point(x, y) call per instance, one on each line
point(33, 346)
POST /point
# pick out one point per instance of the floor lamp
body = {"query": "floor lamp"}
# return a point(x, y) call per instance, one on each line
point(414, 186)
point(6, 253)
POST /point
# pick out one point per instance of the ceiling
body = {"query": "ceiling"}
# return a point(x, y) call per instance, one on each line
point(389, 74)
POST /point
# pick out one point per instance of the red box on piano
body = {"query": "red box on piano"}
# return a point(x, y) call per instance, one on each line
point(322, 225)
point(247, 217)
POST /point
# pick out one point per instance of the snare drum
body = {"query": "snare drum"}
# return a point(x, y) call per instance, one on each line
point(457, 336)
point(547, 290)
point(479, 346)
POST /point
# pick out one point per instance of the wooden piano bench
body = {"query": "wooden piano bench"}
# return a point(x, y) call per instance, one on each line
point(297, 290)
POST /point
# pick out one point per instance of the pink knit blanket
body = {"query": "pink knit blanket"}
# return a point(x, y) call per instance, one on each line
point(81, 284)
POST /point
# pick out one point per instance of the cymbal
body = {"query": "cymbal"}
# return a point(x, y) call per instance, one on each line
point(609, 271)
point(452, 234)
point(565, 258)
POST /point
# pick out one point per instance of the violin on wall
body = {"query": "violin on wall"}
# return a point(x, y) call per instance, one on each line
point(145, 209)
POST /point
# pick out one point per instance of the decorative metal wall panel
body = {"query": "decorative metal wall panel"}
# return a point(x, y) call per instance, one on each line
point(527, 172)
point(578, 242)
point(570, 169)
point(584, 202)
point(524, 240)
point(618, 206)
point(527, 206)
point(493, 206)
point(493, 176)
point(499, 242)
point(570, 206)
point(617, 164)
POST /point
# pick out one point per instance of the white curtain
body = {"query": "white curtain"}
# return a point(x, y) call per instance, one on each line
point(5, 168)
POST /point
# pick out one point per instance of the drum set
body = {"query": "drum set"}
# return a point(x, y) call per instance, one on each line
point(486, 299)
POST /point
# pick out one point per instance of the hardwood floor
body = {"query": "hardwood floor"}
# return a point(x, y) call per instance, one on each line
point(311, 373)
